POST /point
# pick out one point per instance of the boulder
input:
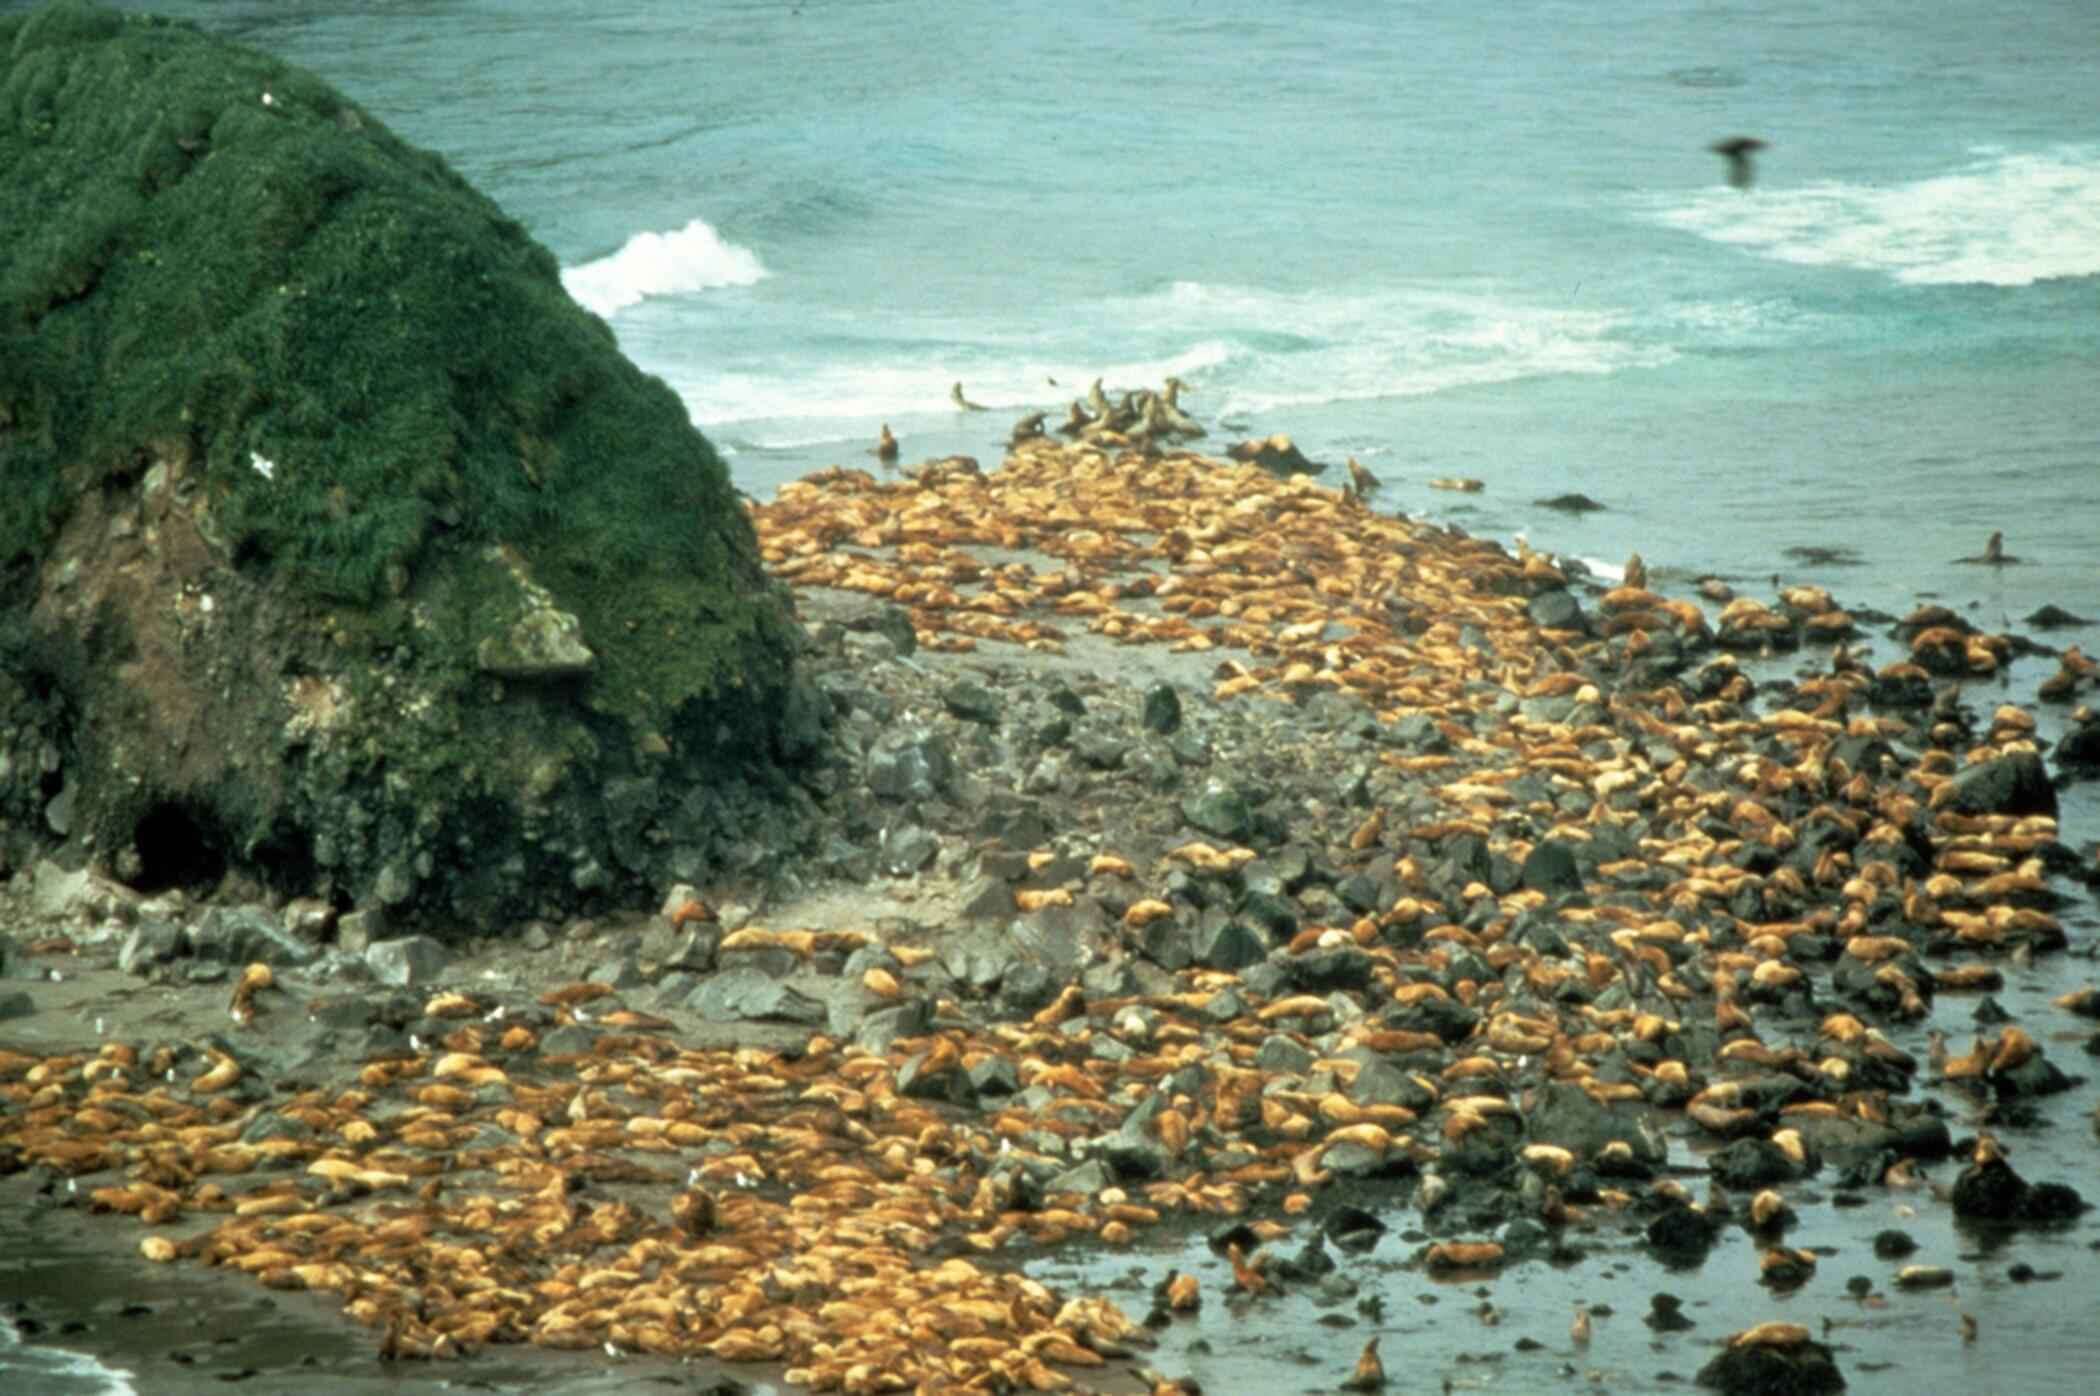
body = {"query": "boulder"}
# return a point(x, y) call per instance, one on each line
point(385, 565)
point(1550, 868)
point(407, 961)
point(1989, 1190)
point(746, 995)
point(2016, 784)
point(239, 935)
point(1762, 1362)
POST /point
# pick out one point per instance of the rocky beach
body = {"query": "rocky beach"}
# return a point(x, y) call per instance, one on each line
point(490, 902)
point(1207, 861)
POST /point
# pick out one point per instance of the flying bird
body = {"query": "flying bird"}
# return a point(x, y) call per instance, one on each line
point(1738, 150)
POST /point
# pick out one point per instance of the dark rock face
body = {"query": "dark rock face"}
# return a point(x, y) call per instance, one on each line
point(382, 577)
point(2078, 753)
point(1682, 1234)
point(1550, 868)
point(1557, 610)
point(1991, 1191)
point(1804, 1369)
point(2017, 785)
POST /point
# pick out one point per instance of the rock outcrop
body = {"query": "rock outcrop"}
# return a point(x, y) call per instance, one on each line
point(341, 551)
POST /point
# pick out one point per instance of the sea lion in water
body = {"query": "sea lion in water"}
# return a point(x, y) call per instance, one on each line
point(1993, 554)
point(955, 395)
point(885, 449)
point(1361, 481)
point(1027, 429)
point(1369, 1374)
point(1738, 150)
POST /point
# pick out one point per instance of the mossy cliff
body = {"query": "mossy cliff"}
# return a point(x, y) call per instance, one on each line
point(339, 548)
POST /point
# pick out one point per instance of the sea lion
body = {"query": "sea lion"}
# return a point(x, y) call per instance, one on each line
point(1738, 150)
point(1370, 1372)
point(1361, 481)
point(1180, 422)
point(1028, 428)
point(1993, 554)
point(1149, 427)
point(1097, 403)
point(955, 395)
point(884, 450)
point(1076, 421)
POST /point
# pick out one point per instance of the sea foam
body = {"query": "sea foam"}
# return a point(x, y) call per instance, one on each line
point(2005, 219)
point(56, 1371)
point(1248, 353)
point(694, 258)
point(1307, 349)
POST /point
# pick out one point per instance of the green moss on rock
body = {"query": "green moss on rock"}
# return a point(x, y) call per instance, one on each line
point(369, 358)
point(305, 367)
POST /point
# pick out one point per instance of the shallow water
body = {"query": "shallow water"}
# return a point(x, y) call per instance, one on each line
point(2034, 1336)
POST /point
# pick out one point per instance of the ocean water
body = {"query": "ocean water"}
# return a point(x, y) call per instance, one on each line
point(1448, 239)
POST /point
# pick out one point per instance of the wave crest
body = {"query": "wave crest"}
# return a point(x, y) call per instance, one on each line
point(2007, 219)
point(694, 258)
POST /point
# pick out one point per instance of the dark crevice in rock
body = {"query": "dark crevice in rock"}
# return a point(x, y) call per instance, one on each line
point(179, 846)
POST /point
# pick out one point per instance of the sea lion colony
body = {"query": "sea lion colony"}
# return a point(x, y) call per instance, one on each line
point(1614, 891)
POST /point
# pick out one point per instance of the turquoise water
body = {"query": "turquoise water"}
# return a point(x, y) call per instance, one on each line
point(1451, 239)
point(1447, 239)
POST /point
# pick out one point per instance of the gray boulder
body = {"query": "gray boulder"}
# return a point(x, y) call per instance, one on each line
point(742, 995)
point(410, 961)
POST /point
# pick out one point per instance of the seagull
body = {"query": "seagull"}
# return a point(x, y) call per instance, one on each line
point(1738, 150)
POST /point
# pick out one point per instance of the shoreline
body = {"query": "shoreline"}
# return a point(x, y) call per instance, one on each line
point(928, 902)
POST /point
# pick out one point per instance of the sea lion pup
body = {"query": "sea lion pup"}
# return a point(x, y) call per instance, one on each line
point(1993, 554)
point(1370, 1372)
point(1738, 150)
point(955, 395)
point(1029, 428)
point(886, 449)
point(1361, 481)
